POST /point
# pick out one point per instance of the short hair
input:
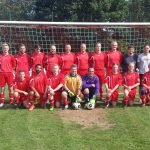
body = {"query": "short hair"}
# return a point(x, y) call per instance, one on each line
point(73, 66)
point(37, 47)
point(21, 45)
point(98, 43)
point(114, 41)
point(56, 65)
point(115, 64)
point(130, 46)
point(21, 71)
point(91, 67)
point(4, 44)
point(146, 45)
point(132, 62)
point(53, 45)
point(38, 65)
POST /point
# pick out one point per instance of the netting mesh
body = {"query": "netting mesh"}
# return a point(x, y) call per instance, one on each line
point(45, 35)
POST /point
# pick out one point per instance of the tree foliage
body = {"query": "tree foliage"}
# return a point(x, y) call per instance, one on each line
point(75, 10)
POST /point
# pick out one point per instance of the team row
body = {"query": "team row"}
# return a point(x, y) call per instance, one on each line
point(72, 88)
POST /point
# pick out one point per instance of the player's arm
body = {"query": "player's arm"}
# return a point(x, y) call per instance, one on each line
point(115, 88)
point(79, 85)
point(84, 84)
point(97, 86)
point(146, 86)
point(62, 81)
point(58, 87)
point(31, 84)
point(20, 91)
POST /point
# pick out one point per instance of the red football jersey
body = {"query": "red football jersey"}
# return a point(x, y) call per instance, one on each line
point(55, 80)
point(7, 63)
point(22, 85)
point(39, 82)
point(98, 60)
point(23, 62)
point(66, 60)
point(130, 79)
point(113, 79)
point(50, 61)
point(146, 78)
point(82, 60)
point(113, 57)
point(37, 59)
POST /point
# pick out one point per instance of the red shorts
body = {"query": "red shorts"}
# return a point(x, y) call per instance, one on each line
point(114, 96)
point(57, 96)
point(132, 94)
point(101, 75)
point(82, 72)
point(22, 97)
point(6, 77)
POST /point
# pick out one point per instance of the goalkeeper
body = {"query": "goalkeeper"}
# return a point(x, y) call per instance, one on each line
point(72, 87)
point(90, 86)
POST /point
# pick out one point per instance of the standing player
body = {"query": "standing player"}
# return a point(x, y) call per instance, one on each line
point(98, 60)
point(38, 88)
point(56, 80)
point(112, 83)
point(72, 86)
point(130, 82)
point(82, 60)
point(67, 59)
point(145, 90)
point(22, 61)
point(51, 59)
point(7, 66)
point(113, 56)
point(36, 58)
point(21, 89)
point(143, 61)
point(129, 57)
point(90, 86)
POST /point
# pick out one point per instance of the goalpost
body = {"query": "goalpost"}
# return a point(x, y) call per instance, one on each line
point(74, 33)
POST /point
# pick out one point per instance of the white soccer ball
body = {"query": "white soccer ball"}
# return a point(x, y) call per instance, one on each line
point(90, 106)
point(76, 106)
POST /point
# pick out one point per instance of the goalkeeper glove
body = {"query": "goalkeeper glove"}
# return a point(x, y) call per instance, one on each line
point(78, 99)
point(71, 94)
point(92, 101)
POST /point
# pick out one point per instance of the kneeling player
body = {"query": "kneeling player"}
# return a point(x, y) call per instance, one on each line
point(145, 90)
point(130, 82)
point(38, 88)
point(90, 86)
point(21, 90)
point(56, 81)
point(72, 88)
point(112, 83)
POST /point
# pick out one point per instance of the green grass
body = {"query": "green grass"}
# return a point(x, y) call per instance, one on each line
point(44, 130)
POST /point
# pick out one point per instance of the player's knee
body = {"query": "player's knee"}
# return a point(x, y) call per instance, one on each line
point(57, 104)
point(142, 91)
point(16, 94)
point(126, 92)
point(86, 91)
point(31, 93)
point(2, 90)
point(10, 89)
point(64, 94)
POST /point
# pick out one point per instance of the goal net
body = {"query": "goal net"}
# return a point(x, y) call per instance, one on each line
point(47, 33)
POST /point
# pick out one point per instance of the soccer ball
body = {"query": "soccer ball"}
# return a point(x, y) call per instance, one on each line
point(76, 106)
point(90, 106)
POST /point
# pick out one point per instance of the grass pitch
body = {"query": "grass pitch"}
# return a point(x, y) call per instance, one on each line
point(44, 130)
